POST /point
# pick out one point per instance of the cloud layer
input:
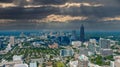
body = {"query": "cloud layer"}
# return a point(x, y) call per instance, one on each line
point(74, 12)
point(60, 18)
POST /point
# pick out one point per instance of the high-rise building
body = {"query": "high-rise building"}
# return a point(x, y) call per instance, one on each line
point(106, 52)
point(97, 49)
point(8, 47)
point(66, 52)
point(74, 36)
point(105, 47)
point(12, 40)
point(82, 33)
point(91, 47)
point(0, 44)
point(104, 43)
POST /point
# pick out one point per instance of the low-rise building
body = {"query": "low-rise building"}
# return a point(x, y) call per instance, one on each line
point(16, 58)
point(106, 52)
point(66, 52)
point(20, 65)
point(39, 60)
point(83, 61)
point(73, 63)
point(33, 64)
point(76, 44)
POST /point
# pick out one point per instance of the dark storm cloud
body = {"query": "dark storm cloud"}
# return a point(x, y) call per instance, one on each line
point(50, 1)
point(105, 2)
point(30, 13)
point(41, 12)
point(92, 11)
point(6, 1)
point(110, 8)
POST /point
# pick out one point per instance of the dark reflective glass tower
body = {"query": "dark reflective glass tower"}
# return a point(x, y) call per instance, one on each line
point(82, 33)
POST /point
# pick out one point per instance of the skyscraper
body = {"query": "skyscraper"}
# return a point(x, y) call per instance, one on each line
point(104, 43)
point(12, 40)
point(82, 33)
point(0, 44)
point(74, 36)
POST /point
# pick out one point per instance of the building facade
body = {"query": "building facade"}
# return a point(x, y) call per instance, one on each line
point(82, 33)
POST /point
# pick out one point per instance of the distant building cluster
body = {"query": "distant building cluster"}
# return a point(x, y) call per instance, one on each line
point(58, 49)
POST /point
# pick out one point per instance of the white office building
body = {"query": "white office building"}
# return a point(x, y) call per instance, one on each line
point(12, 40)
point(17, 58)
point(20, 65)
point(33, 64)
point(76, 43)
point(112, 64)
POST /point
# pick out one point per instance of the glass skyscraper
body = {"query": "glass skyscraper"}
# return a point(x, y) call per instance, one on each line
point(82, 33)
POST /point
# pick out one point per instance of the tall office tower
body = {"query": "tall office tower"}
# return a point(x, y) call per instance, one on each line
point(82, 33)
point(104, 43)
point(12, 40)
point(66, 52)
point(74, 36)
point(8, 47)
point(0, 44)
point(91, 47)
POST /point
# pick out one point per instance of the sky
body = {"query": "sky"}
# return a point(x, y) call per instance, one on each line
point(96, 15)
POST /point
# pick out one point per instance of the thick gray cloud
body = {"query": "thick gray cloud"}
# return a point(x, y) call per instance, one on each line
point(94, 21)
point(22, 13)
point(50, 1)
point(6, 1)
point(41, 12)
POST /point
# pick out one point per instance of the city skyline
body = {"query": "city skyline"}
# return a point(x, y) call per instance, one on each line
point(59, 33)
